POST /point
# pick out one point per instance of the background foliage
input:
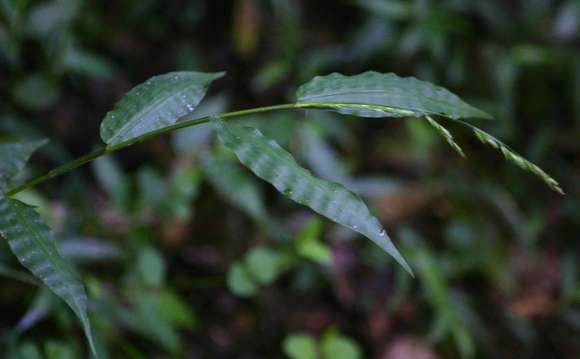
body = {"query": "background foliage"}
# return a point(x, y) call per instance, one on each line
point(181, 260)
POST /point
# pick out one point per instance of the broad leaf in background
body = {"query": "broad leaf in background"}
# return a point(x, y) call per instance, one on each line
point(158, 102)
point(372, 94)
point(235, 185)
point(34, 244)
point(275, 165)
point(13, 157)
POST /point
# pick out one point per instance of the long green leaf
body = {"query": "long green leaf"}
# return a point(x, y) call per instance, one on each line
point(13, 157)
point(372, 94)
point(158, 102)
point(34, 244)
point(273, 164)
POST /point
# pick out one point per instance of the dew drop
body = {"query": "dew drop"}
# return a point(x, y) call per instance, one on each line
point(382, 233)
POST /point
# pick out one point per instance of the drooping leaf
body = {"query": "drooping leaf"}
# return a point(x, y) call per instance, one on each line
point(514, 157)
point(13, 157)
point(445, 134)
point(275, 165)
point(300, 346)
point(34, 244)
point(372, 94)
point(158, 102)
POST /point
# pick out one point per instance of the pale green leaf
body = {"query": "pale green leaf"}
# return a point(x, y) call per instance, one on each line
point(240, 281)
point(264, 264)
point(34, 244)
point(336, 346)
point(158, 102)
point(13, 157)
point(308, 243)
point(372, 94)
point(300, 346)
point(273, 164)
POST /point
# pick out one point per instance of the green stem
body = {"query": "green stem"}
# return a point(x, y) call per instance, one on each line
point(182, 123)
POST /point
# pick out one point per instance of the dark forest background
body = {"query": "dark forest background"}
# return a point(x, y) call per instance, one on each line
point(185, 254)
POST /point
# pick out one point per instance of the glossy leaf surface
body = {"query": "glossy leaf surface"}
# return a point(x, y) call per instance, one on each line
point(34, 244)
point(158, 102)
point(275, 165)
point(372, 94)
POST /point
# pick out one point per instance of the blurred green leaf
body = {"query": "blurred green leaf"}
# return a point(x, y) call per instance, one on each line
point(27, 350)
point(176, 310)
point(151, 321)
point(264, 264)
point(240, 281)
point(36, 92)
point(184, 187)
point(300, 346)
point(336, 346)
point(309, 246)
point(159, 102)
point(50, 17)
point(235, 185)
point(112, 179)
point(151, 267)
point(272, 163)
point(13, 157)
point(56, 350)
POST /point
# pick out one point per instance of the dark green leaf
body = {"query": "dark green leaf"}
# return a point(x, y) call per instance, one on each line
point(13, 157)
point(34, 244)
point(372, 94)
point(273, 164)
point(158, 102)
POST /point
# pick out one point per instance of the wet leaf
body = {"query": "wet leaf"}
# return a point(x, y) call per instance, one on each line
point(34, 244)
point(273, 164)
point(158, 102)
point(372, 94)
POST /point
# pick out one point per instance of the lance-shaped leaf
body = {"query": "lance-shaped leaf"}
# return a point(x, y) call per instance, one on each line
point(275, 165)
point(158, 102)
point(34, 244)
point(372, 94)
point(13, 157)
